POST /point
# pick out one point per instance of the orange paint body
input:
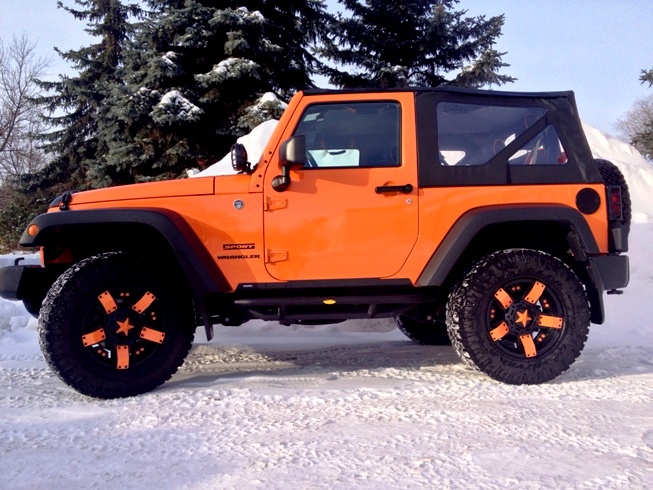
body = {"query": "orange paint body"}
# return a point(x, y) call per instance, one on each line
point(330, 223)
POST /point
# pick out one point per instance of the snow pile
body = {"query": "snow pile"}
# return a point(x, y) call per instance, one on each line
point(254, 144)
point(267, 406)
point(637, 170)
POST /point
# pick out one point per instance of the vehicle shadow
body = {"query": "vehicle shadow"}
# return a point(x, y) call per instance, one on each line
point(208, 364)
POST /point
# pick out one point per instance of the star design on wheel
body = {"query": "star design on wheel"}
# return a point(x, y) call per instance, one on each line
point(124, 327)
point(523, 318)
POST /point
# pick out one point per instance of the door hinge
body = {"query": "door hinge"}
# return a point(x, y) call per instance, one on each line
point(272, 204)
point(272, 256)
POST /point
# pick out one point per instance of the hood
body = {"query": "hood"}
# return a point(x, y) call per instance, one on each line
point(163, 189)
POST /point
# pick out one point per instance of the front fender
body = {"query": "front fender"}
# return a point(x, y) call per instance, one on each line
point(79, 226)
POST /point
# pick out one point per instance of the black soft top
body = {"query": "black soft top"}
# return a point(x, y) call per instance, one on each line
point(561, 112)
point(447, 89)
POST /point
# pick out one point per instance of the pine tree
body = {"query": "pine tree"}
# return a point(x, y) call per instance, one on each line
point(75, 103)
point(647, 77)
point(192, 71)
point(383, 43)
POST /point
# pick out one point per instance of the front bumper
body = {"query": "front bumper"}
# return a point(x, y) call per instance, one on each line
point(27, 283)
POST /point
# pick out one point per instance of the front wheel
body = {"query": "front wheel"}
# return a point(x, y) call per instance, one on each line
point(520, 316)
point(112, 326)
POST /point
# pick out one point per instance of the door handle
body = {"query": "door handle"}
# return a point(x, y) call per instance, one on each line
point(406, 189)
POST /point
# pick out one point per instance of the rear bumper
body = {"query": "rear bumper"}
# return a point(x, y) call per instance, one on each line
point(605, 273)
point(609, 272)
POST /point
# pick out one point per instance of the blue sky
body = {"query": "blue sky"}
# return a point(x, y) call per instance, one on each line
point(595, 47)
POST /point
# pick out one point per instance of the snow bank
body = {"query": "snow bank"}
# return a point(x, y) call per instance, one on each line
point(254, 144)
point(636, 169)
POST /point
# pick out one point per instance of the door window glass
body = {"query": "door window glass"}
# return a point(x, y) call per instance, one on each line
point(361, 134)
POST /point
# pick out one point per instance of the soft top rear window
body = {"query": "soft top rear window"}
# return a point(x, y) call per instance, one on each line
point(472, 134)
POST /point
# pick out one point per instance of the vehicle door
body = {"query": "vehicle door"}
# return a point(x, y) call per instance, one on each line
point(352, 210)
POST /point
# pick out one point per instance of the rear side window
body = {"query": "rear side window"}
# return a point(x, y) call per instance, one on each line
point(472, 134)
point(543, 149)
point(360, 134)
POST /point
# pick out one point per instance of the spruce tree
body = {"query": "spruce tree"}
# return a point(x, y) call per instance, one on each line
point(647, 77)
point(75, 103)
point(193, 70)
point(381, 43)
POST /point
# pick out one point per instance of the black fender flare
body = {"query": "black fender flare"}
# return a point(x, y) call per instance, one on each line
point(202, 273)
point(474, 221)
point(471, 223)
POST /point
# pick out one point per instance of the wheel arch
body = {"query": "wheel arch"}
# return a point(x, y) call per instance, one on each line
point(557, 230)
point(153, 232)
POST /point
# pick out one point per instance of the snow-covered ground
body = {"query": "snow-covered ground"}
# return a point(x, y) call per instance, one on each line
point(353, 405)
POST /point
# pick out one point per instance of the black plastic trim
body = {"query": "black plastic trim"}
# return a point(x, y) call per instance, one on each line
point(326, 284)
point(18, 282)
point(377, 299)
point(613, 270)
point(201, 271)
point(498, 94)
point(471, 223)
point(617, 237)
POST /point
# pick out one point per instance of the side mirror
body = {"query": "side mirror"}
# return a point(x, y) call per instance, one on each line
point(239, 158)
point(292, 154)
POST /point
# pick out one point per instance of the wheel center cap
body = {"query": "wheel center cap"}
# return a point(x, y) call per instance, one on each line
point(522, 317)
point(124, 327)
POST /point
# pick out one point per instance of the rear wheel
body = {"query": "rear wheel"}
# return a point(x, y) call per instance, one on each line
point(112, 326)
point(428, 332)
point(520, 316)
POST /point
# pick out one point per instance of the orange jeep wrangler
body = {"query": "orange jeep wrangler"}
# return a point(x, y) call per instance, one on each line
point(473, 217)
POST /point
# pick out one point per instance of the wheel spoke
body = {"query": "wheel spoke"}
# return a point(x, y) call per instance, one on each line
point(108, 303)
point(504, 298)
point(152, 335)
point(528, 345)
point(535, 293)
point(549, 321)
point(499, 332)
point(122, 354)
point(144, 303)
point(93, 337)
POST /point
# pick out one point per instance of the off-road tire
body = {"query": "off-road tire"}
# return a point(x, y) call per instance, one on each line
point(499, 304)
point(114, 326)
point(432, 332)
